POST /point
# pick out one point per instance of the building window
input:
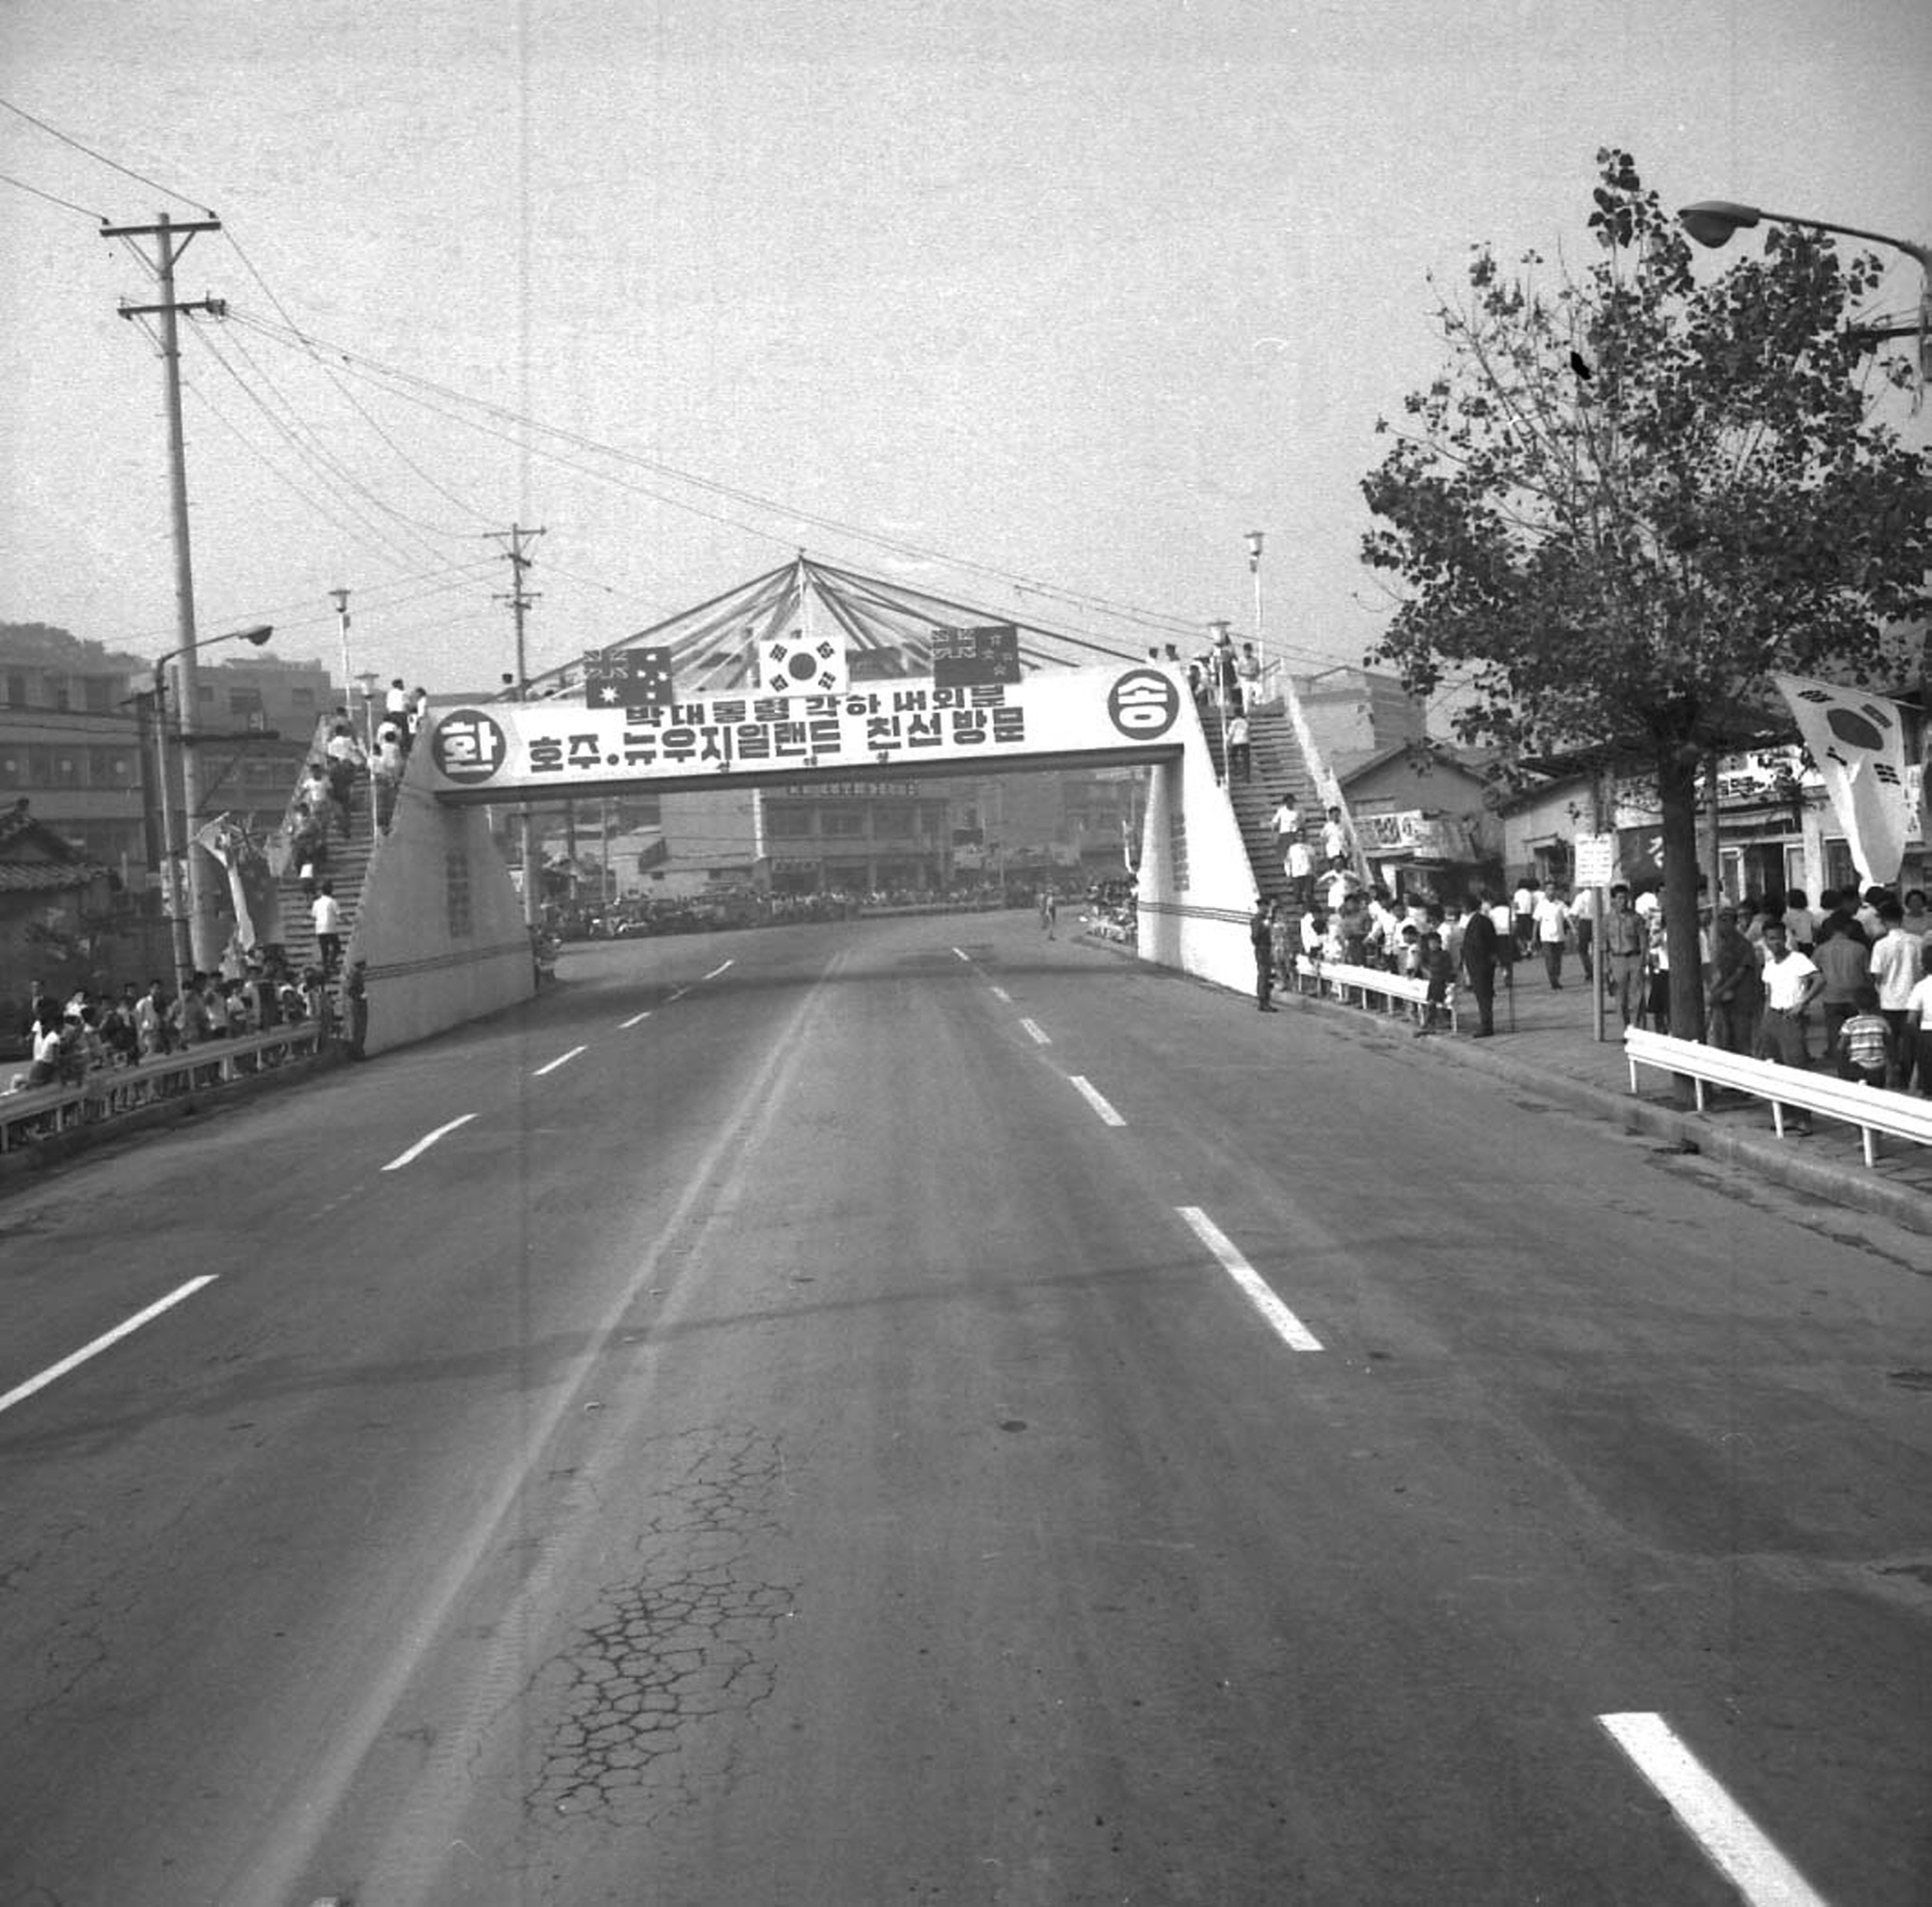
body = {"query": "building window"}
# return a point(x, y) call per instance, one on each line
point(16, 689)
point(57, 690)
point(97, 694)
point(842, 820)
point(244, 701)
point(456, 888)
point(788, 821)
point(303, 698)
point(111, 768)
point(12, 769)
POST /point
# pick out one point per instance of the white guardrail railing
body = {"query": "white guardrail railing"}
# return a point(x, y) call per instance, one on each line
point(1398, 993)
point(110, 1091)
point(1872, 1109)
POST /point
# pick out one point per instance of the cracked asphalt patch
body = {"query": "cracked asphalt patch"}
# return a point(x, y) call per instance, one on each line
point(674, 1642)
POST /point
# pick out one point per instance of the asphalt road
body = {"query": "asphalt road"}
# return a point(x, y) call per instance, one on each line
point(920, 1413)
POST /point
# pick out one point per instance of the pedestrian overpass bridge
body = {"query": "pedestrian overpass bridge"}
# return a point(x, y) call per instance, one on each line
point(795, 698)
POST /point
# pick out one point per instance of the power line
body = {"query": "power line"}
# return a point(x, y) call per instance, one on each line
point(100, 217)
point(329, 371)
point(127, 172)
point(1146, 618)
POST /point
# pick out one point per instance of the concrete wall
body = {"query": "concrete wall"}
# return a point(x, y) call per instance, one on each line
point(440, 921)
point(1197, 888)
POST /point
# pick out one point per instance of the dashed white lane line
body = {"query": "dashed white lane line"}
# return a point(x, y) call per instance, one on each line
point(715, 971)
point(1000, 994)
point(1254, 1287)
point(1034, 1034)
point(1739, 1848)
point(20, 1392)
point(562, 1059)
point(679, 994)
point(634, 1019)
point(1108, 1114)
point(423, 1144)
point(962, 953)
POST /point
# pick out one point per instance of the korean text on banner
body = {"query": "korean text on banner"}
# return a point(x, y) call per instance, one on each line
point(1858, 740)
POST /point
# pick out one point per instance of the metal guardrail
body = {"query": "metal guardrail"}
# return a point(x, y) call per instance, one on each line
point(111, 1092)
point(1399, 992)
point(1872, 1109)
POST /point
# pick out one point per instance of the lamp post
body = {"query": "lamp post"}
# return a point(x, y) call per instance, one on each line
point(368, 682)
point(1255, 570)
point(1712, 221)
point(190, 922)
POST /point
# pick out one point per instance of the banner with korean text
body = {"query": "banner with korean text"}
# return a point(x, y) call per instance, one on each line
point(502, 751)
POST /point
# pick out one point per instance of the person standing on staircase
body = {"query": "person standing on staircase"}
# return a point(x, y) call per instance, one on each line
point(1298, 863)
point(327, 912)
point(1248, 672)
point(1286, 821)
point(1260, 935)
point(1239, 764)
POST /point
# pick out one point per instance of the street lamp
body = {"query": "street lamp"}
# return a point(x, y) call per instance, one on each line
point(1712, 221)
point(1255, 570)
point(368, 682)
point(185, 919)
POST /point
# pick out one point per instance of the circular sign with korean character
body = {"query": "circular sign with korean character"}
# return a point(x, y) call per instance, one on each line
point(1144, 703)
point(468, 747)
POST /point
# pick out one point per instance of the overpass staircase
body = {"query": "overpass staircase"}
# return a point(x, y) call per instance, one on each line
point(346, 870)
point(1278, 768)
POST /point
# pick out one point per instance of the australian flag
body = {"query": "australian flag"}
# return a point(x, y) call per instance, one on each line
point(630, 678)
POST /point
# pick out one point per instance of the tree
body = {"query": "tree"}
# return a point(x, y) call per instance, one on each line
point(1628, 496)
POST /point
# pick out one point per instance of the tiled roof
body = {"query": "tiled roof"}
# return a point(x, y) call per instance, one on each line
point(47, 876)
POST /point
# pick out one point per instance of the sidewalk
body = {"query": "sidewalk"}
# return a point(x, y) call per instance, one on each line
point(1546, 1045)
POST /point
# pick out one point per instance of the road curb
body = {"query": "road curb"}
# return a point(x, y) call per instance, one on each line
point(1782, 1162)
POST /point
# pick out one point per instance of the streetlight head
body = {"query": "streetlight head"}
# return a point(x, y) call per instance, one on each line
point(1712, 221)
point(1254, 542)
point(259, 635)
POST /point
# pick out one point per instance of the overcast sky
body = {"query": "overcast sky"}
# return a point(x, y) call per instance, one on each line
point(1065, 295)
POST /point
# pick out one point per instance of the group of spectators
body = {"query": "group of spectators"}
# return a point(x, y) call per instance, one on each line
point(1856, 970)
point(89, 1035)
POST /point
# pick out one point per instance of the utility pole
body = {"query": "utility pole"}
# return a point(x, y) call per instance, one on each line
point(520, 600)
point(171, 239)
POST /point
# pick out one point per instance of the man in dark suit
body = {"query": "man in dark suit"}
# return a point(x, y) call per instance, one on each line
point(1481, 955)
point(1261, 934)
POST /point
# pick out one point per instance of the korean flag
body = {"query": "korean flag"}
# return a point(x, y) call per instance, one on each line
point(1858, 740)
point(796, 664)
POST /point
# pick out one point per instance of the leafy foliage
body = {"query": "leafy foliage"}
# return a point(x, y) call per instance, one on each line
point(1629, 495)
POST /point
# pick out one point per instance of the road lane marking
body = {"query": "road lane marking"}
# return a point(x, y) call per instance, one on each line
point(715, 971)
point(20, 1392)
point(1254, 1287)
point(562, 1059)
point(963, 954)
point(423, 1145)
point(1000, 994)
point(634, 1018)
point(1034, 1034)
point(1734, 1842)
point(679, 994)
point(1107, 1114)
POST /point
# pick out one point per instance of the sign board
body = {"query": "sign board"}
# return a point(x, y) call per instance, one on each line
point(504, 750)
point(1596, 863)
point(1414, 834)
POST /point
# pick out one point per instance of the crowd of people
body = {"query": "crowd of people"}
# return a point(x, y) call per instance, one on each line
point(1855, 972)
point(81, 1040)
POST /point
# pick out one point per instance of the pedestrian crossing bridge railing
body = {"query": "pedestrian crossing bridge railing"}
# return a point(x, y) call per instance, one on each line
point(1397, 993)
point(108, 1093)
point(1872, 1109)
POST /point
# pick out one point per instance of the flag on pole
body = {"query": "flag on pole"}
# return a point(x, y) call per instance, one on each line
point(251, 883)
point(1858, 740)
